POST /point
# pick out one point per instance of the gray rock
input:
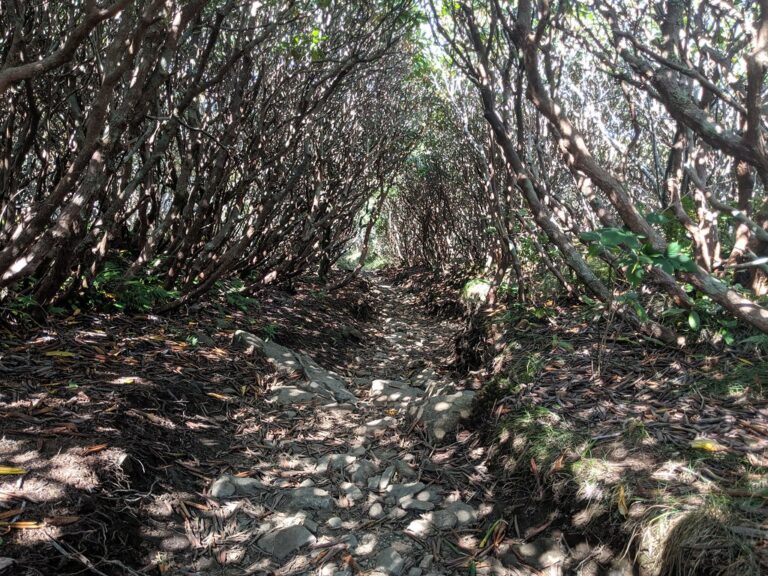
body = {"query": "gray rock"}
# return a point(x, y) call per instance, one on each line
point(405, 471)
point(398, 491)
point(290, 395)
point(392, 392)
point(326, 379)
point(361, 470)
point(282, 542)
point(310, 498)
point(386, 478)
point(389, 561)
point(443, 519)
point(282, 358)
point(421, 527)
point(411, 503)
point(376, 510)
point(538, 553)
point(227, 486)
point(430, 493)
point(426, 562)
point(415, 571)
point(441, 414)
point(352, 492)
point(378, 426)
point(334, 462)
point(464, 513)
point(334, 523)
point(423, 378)
point(373, 482)
point(397, 513)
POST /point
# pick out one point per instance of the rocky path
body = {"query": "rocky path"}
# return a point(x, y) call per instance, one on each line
point(362, 479)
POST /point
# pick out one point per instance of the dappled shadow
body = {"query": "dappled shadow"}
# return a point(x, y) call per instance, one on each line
point(118, 424)
point(616, 440)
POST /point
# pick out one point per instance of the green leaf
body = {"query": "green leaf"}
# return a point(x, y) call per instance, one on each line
point(694, 321)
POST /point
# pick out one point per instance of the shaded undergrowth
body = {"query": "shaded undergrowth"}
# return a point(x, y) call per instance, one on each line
point(657, 453)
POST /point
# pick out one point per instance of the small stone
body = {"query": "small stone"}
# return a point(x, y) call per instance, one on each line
point(352, 492)
point(426, 562)
point(310, 498)
point(389, 561)
point(397, 491)
point(373, 482)
point(465, 514)
point(386, 478)
point(376, 511)
point(283, 542)
point(334, 523)
point(405, 470)
point(397, 513)
point(307, 483)
point(420, 527)
point(443, 519)
point(360, 471)
point(430, 494)
point(378, 427)
point(410, 503)
point(415, 571)
point(227, 486)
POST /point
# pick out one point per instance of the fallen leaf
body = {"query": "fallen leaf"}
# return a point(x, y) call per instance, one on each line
point(61, 520)
point(23, 525)
point(94, 449)
point(60, 353)
point(11, 513)
point(706, 444)
point(621, 501)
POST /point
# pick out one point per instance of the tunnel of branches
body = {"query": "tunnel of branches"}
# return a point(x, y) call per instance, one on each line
point(609, 151)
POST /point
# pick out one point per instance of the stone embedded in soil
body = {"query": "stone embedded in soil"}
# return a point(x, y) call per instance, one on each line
point(282, 542)
point(227, 486)
point(310, 498)
point(393, 392)
point(420, 527)
point(410, 503)
point(442, 519)
point(334, 523)
point(386, 478)
point(389, 561)
point(539, 553)
point(465, 514)
point(351, 491)
point(397, 491)
point(290, 395)
point(361, 470)
point(376, 511)
point(430, 493)
point(377, 427)
point(280, 356)
point(440, 415)
point(334, 462)
point(405, 470)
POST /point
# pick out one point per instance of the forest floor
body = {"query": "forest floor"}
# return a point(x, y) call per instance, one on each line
point(177, 445)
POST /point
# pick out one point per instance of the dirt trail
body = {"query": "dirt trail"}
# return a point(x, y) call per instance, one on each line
point(144, 455)
point(361, 484)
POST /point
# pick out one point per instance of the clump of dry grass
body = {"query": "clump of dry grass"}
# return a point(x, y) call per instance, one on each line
point(706, 542)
